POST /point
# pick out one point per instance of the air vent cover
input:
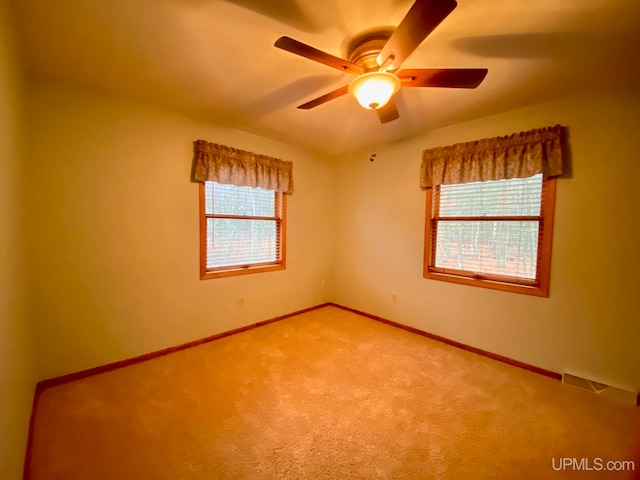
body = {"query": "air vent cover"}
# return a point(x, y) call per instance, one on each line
point(622, 395)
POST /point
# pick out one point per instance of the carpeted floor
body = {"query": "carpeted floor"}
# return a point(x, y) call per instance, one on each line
point(327, 394)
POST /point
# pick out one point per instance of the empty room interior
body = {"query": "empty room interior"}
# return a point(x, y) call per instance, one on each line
point(225, 254)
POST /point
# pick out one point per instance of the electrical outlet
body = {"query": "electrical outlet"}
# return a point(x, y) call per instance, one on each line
point(394, 297)
point(241, 301)
point(323, 284)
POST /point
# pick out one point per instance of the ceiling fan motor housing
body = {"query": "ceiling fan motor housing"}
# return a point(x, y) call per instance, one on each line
point(365, 52)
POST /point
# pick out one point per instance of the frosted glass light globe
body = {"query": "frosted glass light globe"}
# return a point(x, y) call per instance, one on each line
point(373, 90)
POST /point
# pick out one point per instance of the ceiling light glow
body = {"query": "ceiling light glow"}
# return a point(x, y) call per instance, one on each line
point(373, 90)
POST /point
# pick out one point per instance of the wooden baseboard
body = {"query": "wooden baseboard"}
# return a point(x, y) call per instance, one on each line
point(26, 470)
point(50, 382)
point(165, 351)
point(42, 385)
point(148, 356)
point(453, 343)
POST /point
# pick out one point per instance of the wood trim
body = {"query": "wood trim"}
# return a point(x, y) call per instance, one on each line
point(239, 267)
point(537, 291)
point(496, 282)
point(429, 252)
point(165, 351)
point(283, 232)
point(453, 343)
point(491, 218)
point(43, 384)
point(51, 382)
point(484, 276)
point(26, 470)
point(240, 217)
point(233, 271)
point(203, 230)
point(280, 264)
point(544, 252)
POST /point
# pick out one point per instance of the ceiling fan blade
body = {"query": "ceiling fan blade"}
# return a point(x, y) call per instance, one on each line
point(445, 77)
point(325, 98)
point(422, 19)
point(389, 112)
point(304, 50)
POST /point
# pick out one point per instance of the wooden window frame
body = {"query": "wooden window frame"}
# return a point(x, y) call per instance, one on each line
point(227, 271)
point(538, 287)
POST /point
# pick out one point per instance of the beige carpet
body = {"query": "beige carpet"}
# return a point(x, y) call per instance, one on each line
point(326, 395)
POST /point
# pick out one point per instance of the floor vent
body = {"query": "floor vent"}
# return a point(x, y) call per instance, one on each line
point(620, 394)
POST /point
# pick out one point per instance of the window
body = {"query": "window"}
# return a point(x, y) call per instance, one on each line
point(242, 230)
point(494, 234)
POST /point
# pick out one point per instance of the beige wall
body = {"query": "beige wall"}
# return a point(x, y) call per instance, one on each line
point(113, 230)
point(113, 224)
point(113, 220)
point(17, 380)
point(589, 325)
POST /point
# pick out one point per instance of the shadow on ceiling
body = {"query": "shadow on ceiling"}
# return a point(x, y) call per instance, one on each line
point(284, 11)
point(292, 94)
point(559, 45)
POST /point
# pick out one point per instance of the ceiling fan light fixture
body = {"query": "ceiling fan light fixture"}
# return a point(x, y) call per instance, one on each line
point(373, 90)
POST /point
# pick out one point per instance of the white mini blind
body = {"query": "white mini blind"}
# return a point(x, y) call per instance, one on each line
point(488, 228)
point(233, 200)
point(519, 196)
point(242, 225)
point(240, 242)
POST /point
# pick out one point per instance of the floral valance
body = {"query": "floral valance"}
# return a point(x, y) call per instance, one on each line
point(519, 155)
point(222, 164)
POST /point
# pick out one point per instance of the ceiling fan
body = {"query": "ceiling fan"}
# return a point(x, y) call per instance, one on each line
point(376, 58)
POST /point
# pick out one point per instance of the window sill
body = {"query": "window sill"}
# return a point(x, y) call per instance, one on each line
point(535, 290)
point(233, 271)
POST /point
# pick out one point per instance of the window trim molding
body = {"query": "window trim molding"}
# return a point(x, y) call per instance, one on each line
point(540, 288)
point(219, 272)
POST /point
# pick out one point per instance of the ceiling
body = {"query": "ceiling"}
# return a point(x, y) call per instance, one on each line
point(215, 59)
